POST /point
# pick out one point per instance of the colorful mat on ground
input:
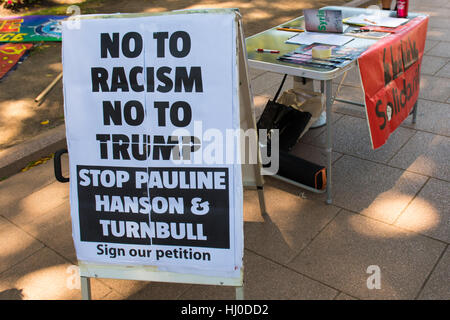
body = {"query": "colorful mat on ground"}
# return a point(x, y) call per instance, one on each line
point(10, 54)
point(30, 28)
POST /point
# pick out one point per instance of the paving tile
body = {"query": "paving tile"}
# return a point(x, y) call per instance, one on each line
point(311, 135)
point(342, 253)
point(429, 44)
point(54, 229)
point(22, 184)
point(435, 12)
point(143, 290)
point(349, 109)
point(351, 136)
point(429, 212)
point(351, 79)
point(439, 34)
point(432, 64)
point(343, 296)
point(351, 93)
point(264, 280)
point(265, 81)
point(290, 224)
point(122, 288)
point(439, 22)
point(436, 3)
point(113, 295)
point(434, 88)
point(4, 223)
point(46, 276)
point(254, 73)
point(444, 72)
point(429, 6)
point(160, 291)
point(17, 245)
point(37, 203)
point(373, 189)
point(432, 117)
point(427, 154)
point(274, 81)
point(436, 287)
point(442, 49)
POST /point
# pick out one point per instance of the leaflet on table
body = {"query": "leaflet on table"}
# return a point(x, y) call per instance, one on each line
point(307, 61)
point(375, 20)
point(366, 34)
point(322, 20)
point(340, 56)
point(317, 37)
point(337, 52)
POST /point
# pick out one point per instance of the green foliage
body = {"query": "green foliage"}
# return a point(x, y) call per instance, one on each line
point(16, 4)
point(86, 7)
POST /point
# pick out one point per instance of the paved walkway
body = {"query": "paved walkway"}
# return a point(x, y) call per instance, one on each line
point(390, 210)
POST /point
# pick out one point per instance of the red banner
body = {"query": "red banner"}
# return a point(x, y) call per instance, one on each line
point(10, 54)
point(390, 74)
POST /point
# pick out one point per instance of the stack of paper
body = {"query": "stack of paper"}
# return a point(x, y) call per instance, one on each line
point(317, 37)
point(375, 20)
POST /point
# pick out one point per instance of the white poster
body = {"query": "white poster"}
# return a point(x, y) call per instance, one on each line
point(149, 102)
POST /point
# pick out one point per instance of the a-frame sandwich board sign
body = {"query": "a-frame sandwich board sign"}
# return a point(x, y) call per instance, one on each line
point(149, 102)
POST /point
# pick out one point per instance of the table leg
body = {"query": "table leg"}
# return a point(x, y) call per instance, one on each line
point(240, 293)
point(85, 288)
point(328, 103)
point(414, 113)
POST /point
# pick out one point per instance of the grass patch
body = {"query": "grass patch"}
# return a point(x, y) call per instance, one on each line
point(86, 7)
point(38, 47)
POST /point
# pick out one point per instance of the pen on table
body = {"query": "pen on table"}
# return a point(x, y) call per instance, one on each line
point(290, 29)
point(378, 29)
point(268, 50)
point(373, 22)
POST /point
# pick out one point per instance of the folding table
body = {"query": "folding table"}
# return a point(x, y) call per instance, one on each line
point(275, 39)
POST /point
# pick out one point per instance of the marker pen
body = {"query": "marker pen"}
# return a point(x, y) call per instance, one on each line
point(268, 50)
